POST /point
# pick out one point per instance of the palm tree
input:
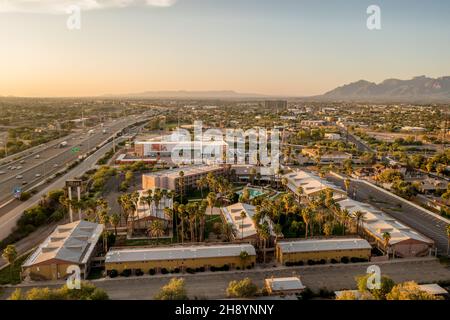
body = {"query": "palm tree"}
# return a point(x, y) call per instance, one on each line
point(201, 183)
point(202, 215)
point(10, 255)
point(156, 229)
point(244, 256)
point(264, 234)
point(103, 218)
point(299, 191)
point(344, 215)
point(347, 185)
point(306, 215)
point(114, 219)
point(181, 185)
point(359, 216)
point(181, 213)
point(243, 215)
point(328, 228)
point(386, 239)
point(211, 198)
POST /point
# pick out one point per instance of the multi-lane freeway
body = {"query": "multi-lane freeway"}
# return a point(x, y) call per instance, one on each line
point(42, 162)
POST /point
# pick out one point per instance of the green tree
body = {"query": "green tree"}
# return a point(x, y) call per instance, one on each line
point(242, 289)
point(174, 290)
point(409, 291)
point(386, 286)
point(10, 255)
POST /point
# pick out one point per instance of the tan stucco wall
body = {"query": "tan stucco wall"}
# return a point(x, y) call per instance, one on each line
point(319, 255)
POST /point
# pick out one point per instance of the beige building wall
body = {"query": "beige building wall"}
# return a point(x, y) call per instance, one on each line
point(145, 266)
point(284, 257)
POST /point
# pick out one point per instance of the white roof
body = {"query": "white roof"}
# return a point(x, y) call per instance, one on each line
point(72, 242)
point(323, 245)
point(433, 288)
point(246, 228)
point(177, 253)
point(190, 170)
point(282, 284)
point(309, 182)
point(377, 223)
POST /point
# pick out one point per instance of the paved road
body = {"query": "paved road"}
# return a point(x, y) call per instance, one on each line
point(213, 285)
point(52, 158)
point(413, 217)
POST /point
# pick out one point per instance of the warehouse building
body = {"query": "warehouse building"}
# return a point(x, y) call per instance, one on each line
point(181, 258)
point(284, 286)
point(404, 242)
point(70, 244)
point(322, 251)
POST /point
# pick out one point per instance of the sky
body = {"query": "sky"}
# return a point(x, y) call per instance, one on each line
point(276, 47)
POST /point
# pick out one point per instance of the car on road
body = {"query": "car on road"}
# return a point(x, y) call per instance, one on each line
point(24, 183)
point(2, 172)
point(19, 167)
point(37, 175)
point(19, 177)
point(37, 156)
point(55, 165)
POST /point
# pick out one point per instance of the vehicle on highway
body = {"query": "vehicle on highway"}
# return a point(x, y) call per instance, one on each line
point(19, 167)
point(24, 183)
point(2, 172)
point(22, 161)
point(37, 175)
point(63, 144)
point(37, 156)
point(19, 177)
point(55, 165)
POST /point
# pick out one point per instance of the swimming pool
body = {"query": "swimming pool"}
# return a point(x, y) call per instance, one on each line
point(253, 192)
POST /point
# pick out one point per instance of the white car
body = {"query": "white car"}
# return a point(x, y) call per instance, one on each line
point(37, 156)
point(22, 161)
point(55, 165)
point(2, 172)
point(19, 177)
point(19, 167)
point(37, 175)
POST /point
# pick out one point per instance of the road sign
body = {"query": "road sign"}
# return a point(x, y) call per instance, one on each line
point(17, 192)
point(73, 183)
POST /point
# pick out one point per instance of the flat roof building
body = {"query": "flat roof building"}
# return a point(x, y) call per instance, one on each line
point(404, 241)
point(284, 286)
point(169, 179)
point(311, 185)
point(180, 257)
point(70, 244)
point(322, 250)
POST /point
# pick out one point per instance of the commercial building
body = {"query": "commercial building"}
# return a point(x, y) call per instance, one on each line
point(284, 286)
point(181, 258)
point(322, 250)
point(332, 157)
point(70, 244)
point(276, 104)
point(169, 179)
point(404, 241)
point(307, 185)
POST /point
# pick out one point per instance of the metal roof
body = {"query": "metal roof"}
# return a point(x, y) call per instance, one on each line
point(177, 253)
point(312, 245)
point(72, 242)
point(282, 284)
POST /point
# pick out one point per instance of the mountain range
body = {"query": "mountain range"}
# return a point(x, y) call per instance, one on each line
point(418, 89)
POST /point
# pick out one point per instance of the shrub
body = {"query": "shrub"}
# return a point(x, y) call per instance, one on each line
point(113, 273)
point(190, 270)
point(311, 262)
point(334, 261)
point(288, 264)
point(226, 267)
point(138, 272)
point(242, 289)
point(164, 271)
point(151, 272)
point(344, 260)
point(126, 273)
point(212, 268)
point(176, 270)
point(322, 261)
point(202, 269)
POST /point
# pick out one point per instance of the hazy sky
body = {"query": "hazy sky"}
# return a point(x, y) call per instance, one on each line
point(261, 46)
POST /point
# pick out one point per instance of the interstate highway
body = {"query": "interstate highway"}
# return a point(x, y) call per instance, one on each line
point(52, 158)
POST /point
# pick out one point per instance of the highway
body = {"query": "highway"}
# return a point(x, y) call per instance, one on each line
point(411, 216)
point(35, 167)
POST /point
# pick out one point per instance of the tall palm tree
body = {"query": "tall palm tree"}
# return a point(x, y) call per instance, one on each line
point(306, 215)
point(156, 229)
point(244, 256)
point(359, 216)
point(328, 228)
point(264, 234)
point(386, 239)
point(299, 192)
point(181, 214)
point(181, 184)
point(103, 218)
point(243, 215)
point(344, 215)
point(10, 255)
point(211, 198)
point(115, 220)
point(347, 185)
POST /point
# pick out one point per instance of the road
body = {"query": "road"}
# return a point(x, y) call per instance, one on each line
point(212, 285)
point(413, 217)
point(52, 158)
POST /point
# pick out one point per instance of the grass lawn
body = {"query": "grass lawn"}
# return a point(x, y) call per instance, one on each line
point(209, 223)
point(5, 275)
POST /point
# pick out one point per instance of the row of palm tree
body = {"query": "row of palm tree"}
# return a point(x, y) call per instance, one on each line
point(190, 220)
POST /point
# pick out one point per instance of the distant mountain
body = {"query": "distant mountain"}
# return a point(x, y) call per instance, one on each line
point(182, 94)
point(418, 89)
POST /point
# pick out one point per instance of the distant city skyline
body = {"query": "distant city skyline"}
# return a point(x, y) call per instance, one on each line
point(280, 48)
